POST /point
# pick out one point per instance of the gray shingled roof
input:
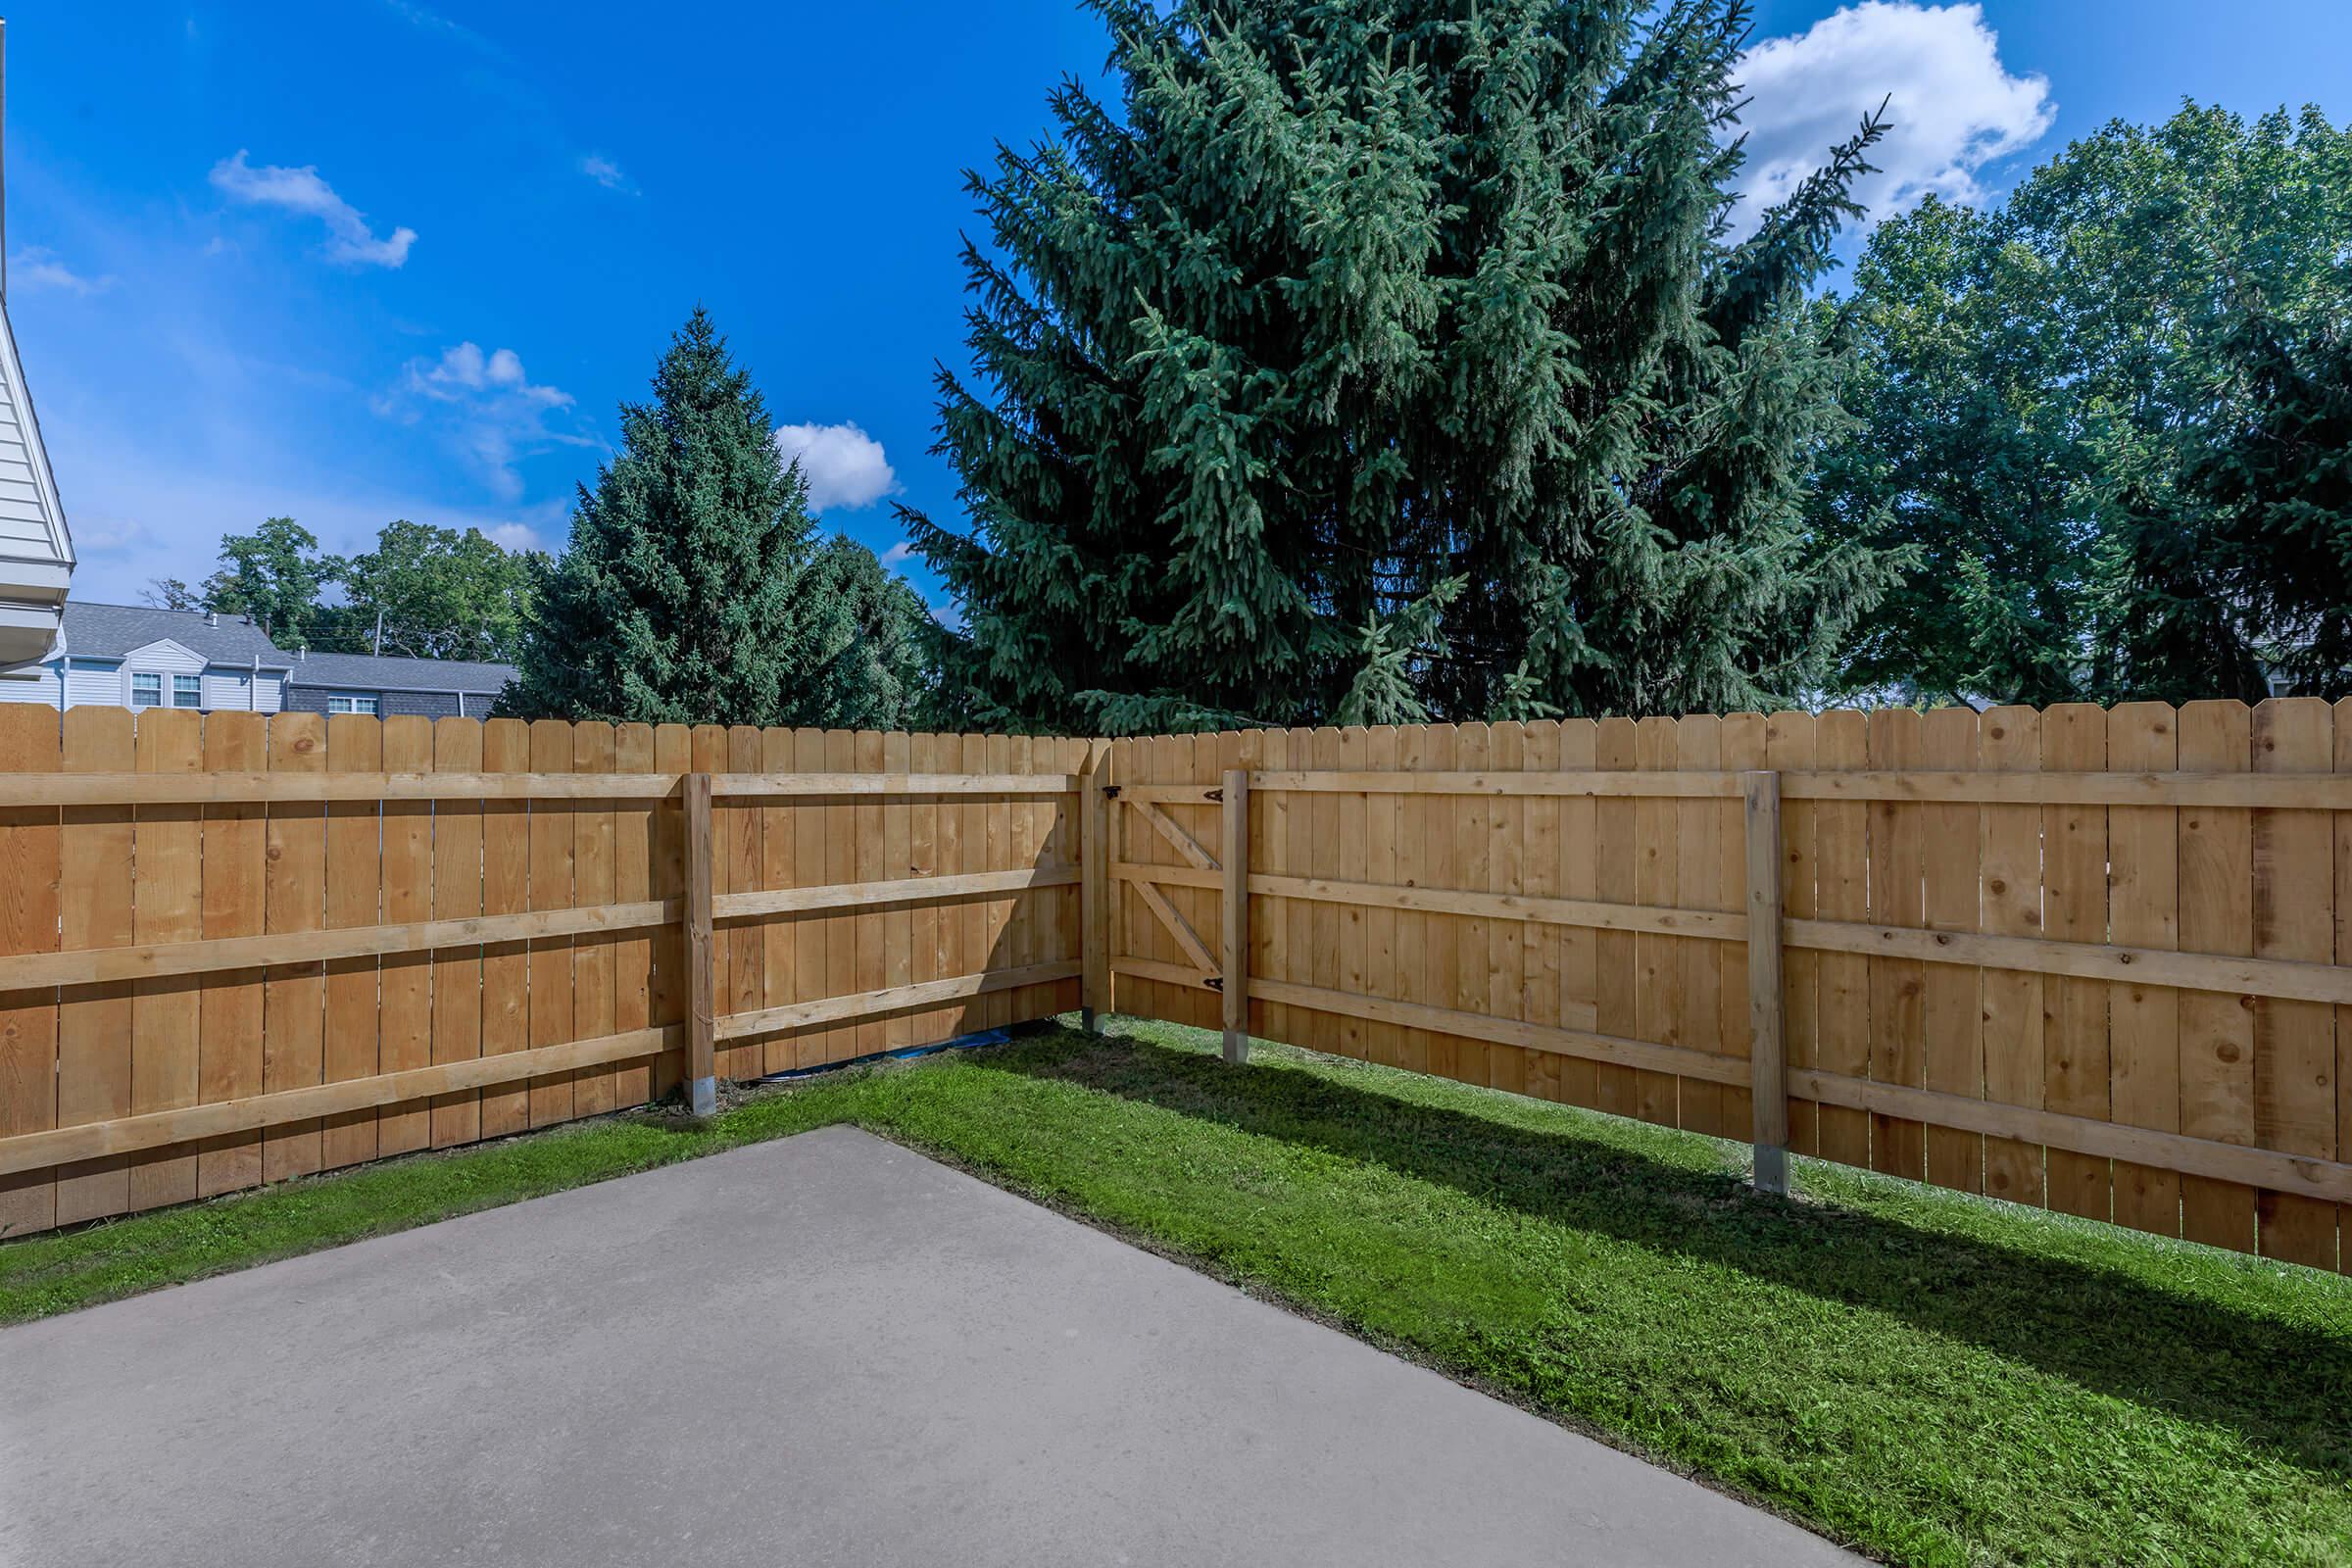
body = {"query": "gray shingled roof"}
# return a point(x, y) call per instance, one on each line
point(367, 673)
point(109, 631)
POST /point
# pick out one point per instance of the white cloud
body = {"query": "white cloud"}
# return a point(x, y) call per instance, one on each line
point(488, 408)
point(302, 190)
point(515, 536)
point(608, 173)
point(899, 554)
point(1954, 109)
point(844, 467)
point(36, 266)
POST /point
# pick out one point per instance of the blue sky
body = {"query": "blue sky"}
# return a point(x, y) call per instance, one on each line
point(360, 260)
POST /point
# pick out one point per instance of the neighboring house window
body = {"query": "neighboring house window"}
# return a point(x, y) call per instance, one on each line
point(351, 702)
point(187, 690)
point(146, 690)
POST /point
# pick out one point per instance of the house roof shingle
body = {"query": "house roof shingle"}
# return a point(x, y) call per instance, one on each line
point(370, 672)
point(109, 631)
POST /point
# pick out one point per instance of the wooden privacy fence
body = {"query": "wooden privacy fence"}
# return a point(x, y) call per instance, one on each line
point(235, 946)
point(2082, 958)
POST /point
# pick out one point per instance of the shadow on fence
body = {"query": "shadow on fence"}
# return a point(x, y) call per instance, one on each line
point(2221, 1366)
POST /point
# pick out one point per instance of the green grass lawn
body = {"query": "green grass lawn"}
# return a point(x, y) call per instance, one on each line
point(1932, 1377)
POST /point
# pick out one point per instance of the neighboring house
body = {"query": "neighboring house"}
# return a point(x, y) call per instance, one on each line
point(36, 552)
point(129, 656)
point(366, 683)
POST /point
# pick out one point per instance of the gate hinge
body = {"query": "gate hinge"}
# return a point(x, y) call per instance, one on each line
point(1216, 795)
point(1110, 792)
point(1215, 982)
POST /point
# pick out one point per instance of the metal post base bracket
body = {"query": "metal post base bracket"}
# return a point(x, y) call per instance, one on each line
point(1237, 1046)
point(702, 1095)
point(1772, 1170)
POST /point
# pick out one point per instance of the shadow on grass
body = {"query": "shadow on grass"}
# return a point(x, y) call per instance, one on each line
point(2280, 1386)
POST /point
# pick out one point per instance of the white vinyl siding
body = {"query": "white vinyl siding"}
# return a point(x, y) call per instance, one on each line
point(231, 689)
point(97, 680)
point(31, 524)
point(35, 685)
point(23, 517)
point(167, 657)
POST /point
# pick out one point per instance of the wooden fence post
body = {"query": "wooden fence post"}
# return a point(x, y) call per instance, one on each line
point(1094, 887)
point(1768, 1051)
point(702, 1084)
point(1233, 861)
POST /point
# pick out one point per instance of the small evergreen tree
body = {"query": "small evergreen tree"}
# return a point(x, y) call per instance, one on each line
point(692, 590)
point(1388, 359)
point(874, 671)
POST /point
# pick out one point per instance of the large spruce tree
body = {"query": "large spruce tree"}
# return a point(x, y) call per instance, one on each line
point(694, 590)
point(1379, 358)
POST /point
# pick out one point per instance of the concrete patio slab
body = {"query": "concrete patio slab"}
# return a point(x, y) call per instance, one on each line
point(824, 1350)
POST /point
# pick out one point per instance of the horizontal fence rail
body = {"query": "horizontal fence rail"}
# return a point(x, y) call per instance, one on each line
point(237, 947)
point(2081, 958)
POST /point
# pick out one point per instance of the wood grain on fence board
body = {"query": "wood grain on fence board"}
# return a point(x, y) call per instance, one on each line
point(230, 1050)
point(2145, 910)
point(405, 979)
point(593, 1088)
point(506, 890)
point(1951, 1005)
point(2294, 918)
point(293, 995)
point(356, 1013)
point(456, 971)
point(1788, 746)
point(29, 871)
point(633, 751)
point(166, 1014)
point(2216, 915)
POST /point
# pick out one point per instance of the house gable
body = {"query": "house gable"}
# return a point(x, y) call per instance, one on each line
point(167, 657)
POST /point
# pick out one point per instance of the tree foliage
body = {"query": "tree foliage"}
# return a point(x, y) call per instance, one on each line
point(1392, 357)
point(694, 589)
point(423, 592)
point(274, 575)
point(2052, 398)
point(2273, 487)
point(437, 593)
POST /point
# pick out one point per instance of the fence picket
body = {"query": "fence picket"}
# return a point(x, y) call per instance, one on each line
point(1697, 975)
point(456, 972)
point(29, 871)
point(1951, 1007)
point(356, 1014)
point(2145, 853)
point(2294, 917)
point(506, 890)
point(2073, 849)
point(168, 905)
point(633, 853)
